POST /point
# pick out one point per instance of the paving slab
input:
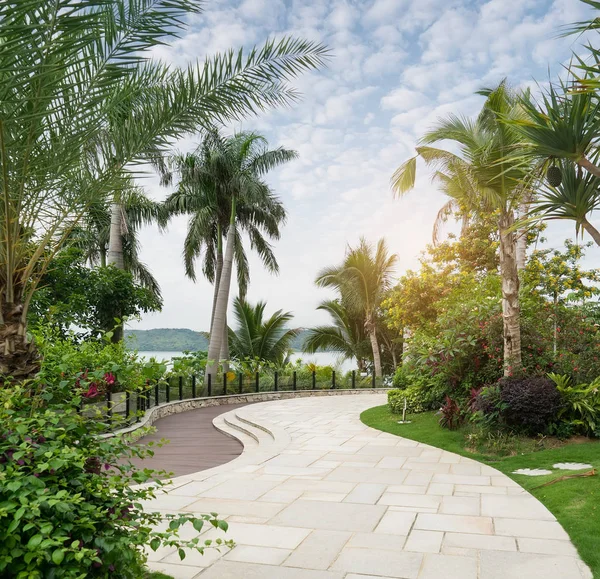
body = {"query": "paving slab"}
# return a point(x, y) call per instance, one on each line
point(322, 496)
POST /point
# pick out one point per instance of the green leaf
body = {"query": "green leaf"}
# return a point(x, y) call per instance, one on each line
point(198, 524)
point(181, 554)
point(223, 525)
point(58, 556)
point(34, 541)
point(155, 543)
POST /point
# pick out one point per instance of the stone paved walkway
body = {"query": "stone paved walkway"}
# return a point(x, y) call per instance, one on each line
point(319, 495)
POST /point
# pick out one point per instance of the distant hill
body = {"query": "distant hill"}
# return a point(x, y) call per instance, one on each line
point(166, 340)
point(180, 339)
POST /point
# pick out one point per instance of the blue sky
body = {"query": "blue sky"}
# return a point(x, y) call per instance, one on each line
point(397, 67)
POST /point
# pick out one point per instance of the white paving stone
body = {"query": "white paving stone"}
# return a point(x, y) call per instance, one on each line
point(329, 498)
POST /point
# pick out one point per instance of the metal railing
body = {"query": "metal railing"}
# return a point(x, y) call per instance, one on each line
point(119, 410)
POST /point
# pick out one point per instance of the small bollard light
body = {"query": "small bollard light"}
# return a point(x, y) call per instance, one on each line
point(404, 421)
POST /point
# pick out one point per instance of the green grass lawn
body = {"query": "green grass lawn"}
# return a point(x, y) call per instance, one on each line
point(575, 503)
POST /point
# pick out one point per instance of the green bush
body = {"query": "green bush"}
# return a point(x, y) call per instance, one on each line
point(65, 359)
point(580, 408)
point(69, 504)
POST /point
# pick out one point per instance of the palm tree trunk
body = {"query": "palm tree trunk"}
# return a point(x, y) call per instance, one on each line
point(225, 347)
point(510, 294)
point(591, 230)
point(115, 256)
point(219, 327)
point(115, 242)
point(375, 347)
point(19, 358)
point(102, 256)
point(217, 276)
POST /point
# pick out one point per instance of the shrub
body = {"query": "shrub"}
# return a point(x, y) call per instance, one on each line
point(69, 504)
point(581, 404)
point(532, 404)
point(451, 415)
point(488, 407)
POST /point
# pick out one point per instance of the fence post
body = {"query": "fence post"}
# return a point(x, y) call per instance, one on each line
point(294, 380)
point(224, 383)
point(210, 384)
point(108, 406)
point(180, 388)
point(353, 378)
point(127, 400)
point(314, 380)
point(156, 394)
point(168, 391)
point(257, 378)
point(276, 378)
point(241, 382)
point(374, 380)
point(194, 386)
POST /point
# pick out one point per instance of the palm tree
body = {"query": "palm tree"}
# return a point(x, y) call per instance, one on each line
point(561, 135)
point(346, 336)
point(234, 171)
point(202, 193)
point(485, 178)
point(258, 338)
point(67, 67)
point(362, 280)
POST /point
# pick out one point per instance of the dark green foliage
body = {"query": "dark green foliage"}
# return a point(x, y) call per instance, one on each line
point(69, 504)
point(89, 299)
point(528, 404)
point(451, 415)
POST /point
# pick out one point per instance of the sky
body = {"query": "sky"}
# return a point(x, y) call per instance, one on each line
point(397, 67)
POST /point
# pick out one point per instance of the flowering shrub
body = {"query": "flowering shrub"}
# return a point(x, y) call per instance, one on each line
point(98, 365)
point(68, 508)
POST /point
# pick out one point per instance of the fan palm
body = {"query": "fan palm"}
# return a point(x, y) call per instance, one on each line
point(69, 66)
point(362, 280)
point(258, 338)
point(346, 336)
point(484, 178)
point(238, 199)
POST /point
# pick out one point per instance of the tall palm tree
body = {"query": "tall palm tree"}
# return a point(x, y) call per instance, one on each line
point(486, 179)
point(259, 338)
point(67, 67)
point(234, 171)
point(363, 279)
point(202, 193)
point(346, 336)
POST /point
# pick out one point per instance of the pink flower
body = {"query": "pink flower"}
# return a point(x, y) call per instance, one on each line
point(92, 391)
point(109, 378)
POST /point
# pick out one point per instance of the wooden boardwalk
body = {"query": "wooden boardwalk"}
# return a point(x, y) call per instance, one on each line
point(195, 444)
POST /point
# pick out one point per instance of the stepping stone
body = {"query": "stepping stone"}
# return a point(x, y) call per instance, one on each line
point(571, 465)
point(532, 471)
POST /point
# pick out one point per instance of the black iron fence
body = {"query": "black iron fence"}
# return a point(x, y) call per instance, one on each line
point(122, 409)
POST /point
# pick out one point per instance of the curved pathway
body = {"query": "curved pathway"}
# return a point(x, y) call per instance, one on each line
point(319, 495)
point(194, 444)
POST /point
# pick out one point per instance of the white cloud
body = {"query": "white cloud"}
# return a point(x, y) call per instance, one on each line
point(398, 66)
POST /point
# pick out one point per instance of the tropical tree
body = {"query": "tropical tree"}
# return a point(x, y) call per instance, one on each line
point(92, 235)
point(363, 280)
point(258, 338)
point(234, 170)
point(69, 66)
point(203, 193)
point(560, 133)
point(345, 336)
point(484, 178)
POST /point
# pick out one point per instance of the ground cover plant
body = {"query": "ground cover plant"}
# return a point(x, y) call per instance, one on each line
point(574, 502)
point(70, 500)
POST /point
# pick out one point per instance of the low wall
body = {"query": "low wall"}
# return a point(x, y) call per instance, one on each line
point(157, 412)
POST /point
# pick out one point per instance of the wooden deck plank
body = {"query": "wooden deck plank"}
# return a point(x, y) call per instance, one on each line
point(194, 443)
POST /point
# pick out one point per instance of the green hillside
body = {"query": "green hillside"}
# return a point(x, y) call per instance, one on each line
point(166, 340)
point(179, 339)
